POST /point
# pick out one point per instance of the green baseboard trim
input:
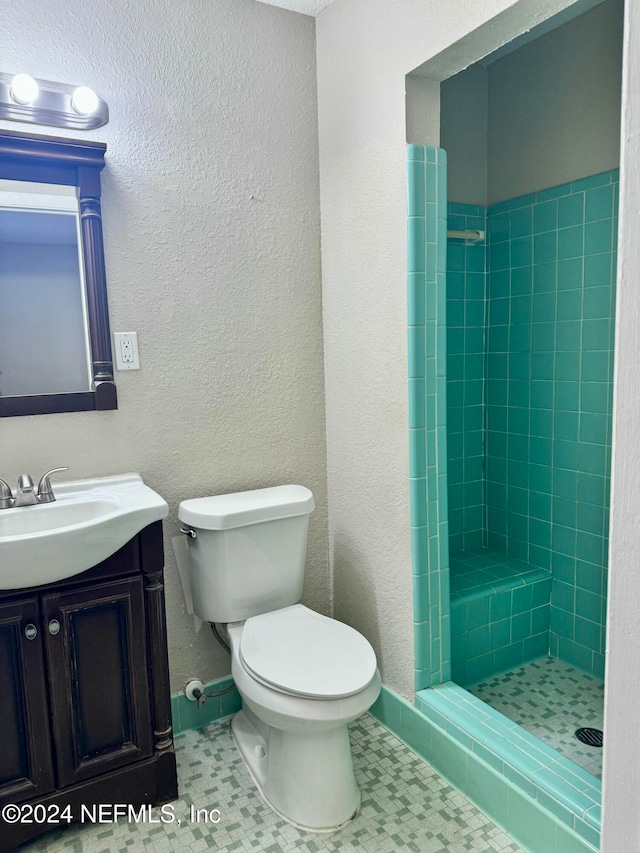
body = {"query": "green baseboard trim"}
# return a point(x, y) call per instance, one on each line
point(504, 802)
point(186, 715)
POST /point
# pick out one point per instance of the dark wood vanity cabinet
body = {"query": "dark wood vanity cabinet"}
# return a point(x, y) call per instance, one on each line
point(26, 762)
point(85, 716)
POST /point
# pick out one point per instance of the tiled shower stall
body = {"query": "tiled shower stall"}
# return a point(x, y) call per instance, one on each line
point(510, 389)
point(510, 406)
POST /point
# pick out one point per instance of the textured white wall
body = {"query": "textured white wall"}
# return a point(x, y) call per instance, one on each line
point(211, 103)
point(621, 778)
point(365, 49)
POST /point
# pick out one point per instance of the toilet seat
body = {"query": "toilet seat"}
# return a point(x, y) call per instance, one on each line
point(297, 651)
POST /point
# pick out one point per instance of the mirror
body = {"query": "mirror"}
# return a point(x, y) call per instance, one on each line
point(55, 350)
point(44, 341)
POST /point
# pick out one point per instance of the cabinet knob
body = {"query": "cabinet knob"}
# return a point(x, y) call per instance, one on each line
point(54, 627)
point(30, 631)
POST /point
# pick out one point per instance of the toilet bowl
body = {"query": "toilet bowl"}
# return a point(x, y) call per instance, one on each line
point(302, 676)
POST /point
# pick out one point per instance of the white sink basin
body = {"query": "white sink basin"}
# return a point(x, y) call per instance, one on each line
point(89, 521)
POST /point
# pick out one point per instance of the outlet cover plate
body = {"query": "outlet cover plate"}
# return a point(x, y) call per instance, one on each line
point(126, 350)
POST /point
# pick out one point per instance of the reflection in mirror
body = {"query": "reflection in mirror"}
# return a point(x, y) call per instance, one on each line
point(44, 340)
point(55, 341)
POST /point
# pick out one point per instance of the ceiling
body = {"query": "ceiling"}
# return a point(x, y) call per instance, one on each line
point(305, 7)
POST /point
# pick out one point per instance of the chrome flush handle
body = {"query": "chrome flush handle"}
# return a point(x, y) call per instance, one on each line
point(189, 532)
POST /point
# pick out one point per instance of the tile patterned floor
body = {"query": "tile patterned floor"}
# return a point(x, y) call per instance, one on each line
point(551, 700)
point(405, 806)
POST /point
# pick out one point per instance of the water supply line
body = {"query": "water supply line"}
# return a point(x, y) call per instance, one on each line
point(219, 637)
point(195, 692)
point(194, 689)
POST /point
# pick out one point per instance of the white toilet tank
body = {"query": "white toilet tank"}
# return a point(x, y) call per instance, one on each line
point(249, 551)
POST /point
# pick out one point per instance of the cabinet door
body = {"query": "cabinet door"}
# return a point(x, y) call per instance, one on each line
point(96, 653)
point(26, 768)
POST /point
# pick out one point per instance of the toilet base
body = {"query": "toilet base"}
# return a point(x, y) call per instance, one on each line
point(305, 777)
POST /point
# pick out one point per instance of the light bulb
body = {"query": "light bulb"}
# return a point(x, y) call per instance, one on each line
point(24, 89)
point(84, 101)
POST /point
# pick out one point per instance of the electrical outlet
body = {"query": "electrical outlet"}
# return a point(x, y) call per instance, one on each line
point(126, 349)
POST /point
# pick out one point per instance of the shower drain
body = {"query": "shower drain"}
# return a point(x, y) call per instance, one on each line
point(592, 737)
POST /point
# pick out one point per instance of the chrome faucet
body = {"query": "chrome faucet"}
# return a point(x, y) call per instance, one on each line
point(6, 497)
point(26, 493)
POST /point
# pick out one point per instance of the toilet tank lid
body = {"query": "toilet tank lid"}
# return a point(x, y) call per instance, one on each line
point(224, 512)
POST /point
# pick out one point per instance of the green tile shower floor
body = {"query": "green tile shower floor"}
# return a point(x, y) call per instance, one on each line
point(551, 700)
point(405, 806)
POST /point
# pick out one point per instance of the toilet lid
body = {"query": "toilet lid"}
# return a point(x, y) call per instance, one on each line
point(304, 653)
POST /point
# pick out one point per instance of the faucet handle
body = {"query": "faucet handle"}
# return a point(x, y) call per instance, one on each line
point(6, 496)
point(45, 492)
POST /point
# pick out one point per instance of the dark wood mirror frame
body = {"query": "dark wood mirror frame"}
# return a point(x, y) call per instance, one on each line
point(52, 160)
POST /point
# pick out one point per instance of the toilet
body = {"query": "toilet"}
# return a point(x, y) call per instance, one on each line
point(302, 676)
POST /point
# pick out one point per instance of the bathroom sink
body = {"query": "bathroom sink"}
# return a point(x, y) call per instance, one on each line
point(55, 516)
point(89, 521)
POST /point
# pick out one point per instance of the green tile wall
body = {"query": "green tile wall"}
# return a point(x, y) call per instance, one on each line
point(492, 627)
point(466, 385)
point(529, 413)
point(551, 300)
point(427, 342)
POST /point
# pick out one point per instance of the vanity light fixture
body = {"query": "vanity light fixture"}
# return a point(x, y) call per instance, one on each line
point(24, 89)
point(85, 101)
point(23, 98)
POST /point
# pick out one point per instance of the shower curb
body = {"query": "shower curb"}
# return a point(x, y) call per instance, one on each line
point(499, 767)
